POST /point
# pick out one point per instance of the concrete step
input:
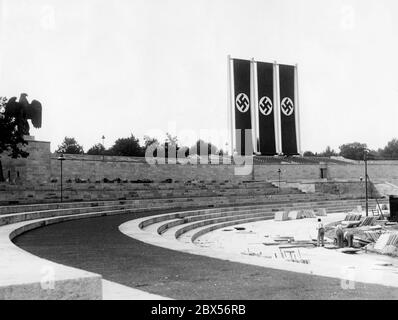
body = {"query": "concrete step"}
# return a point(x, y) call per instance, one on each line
point(331, 206)
point(191, 226)
point(277, 202)
point(56, 205)
point(223, 213)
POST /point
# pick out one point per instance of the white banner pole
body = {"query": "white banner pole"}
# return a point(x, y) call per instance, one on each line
point(230, 109)
point(297, 109)
point(277, 114)
point(253, 104)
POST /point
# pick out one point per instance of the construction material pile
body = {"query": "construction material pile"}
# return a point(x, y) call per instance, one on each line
point(296, 214)
point(368, 221)
point(320, 212)
point(387, 243)
point(281, 216)
point(367, 234)
point(288, 240)
point(352, 220)
point(353, 217)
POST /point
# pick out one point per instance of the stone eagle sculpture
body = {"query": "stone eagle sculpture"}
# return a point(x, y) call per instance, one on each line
point(23, 111)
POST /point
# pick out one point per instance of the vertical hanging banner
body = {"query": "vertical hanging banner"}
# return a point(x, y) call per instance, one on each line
point(266, 109)
point(288, 112)
point(241, 103)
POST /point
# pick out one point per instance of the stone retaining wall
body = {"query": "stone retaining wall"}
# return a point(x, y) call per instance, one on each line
point(42, 166)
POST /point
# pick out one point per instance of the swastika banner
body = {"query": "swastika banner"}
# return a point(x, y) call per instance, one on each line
point(242, 111)
point(266, 108)
point(288, 109)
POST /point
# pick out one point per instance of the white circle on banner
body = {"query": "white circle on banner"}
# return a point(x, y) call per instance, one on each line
point(287, 106)
point(242, 102)
point(265, 106)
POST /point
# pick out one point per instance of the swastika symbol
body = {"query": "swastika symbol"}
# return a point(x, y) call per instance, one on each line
point(287, 106)
point(265, 106)
point(242, 102)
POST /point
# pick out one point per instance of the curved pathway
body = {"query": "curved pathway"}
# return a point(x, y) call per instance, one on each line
point(97, 245)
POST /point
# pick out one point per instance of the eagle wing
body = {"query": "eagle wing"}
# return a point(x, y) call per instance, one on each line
point(34, 112)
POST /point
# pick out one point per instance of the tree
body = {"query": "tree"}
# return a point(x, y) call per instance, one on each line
point(11, 138)
point(128, 147)
point(97, 149)
point(390, 151)
point(70, 146)
point(170, 145)
point(354, 151)
point(309, 154)
point(148, 141)
point(171, 140)
point(202, 147)
point(329, 152)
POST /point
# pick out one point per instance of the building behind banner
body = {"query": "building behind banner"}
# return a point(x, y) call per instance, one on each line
point(263, 108)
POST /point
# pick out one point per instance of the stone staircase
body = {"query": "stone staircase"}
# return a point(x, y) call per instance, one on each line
point(128, 191)
point(18, 213)
point(188, 226)
point(17, 280)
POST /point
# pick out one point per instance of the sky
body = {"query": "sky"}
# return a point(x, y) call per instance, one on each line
point(147, 67)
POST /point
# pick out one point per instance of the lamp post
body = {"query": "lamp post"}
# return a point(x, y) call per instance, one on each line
point(279, 178)
point(365, 158)
point(61, 158)
point(103, 144)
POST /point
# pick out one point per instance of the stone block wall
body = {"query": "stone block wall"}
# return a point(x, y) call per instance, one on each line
point(354, 188)
point(35, 169)
point(42, 165)
point(96, 168)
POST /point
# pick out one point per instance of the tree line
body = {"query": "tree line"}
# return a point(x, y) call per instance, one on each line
point(132, 147)
point(356, 151)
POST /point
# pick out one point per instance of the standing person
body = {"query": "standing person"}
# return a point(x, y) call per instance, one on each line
point(349, 236)
point(321, 233)
point(340, 236)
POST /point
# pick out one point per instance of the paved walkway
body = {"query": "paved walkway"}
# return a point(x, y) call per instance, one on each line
point(115, 291)
point(248, 247)
point(98, 246)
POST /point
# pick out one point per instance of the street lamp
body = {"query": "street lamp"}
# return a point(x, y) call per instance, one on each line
point(365, 159)
point(103, 144)
point(279, 175)
point(61, 158)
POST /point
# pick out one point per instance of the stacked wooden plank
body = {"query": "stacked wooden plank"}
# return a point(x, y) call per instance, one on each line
point(393, 239)
point(352, 220)
point(387, 243)
point(321, 212)
point(307, 213)
point(368, 221)
point(373, 236)
point(353, 217)
point(295, 214)
point(382, 242)
point(281, 216)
